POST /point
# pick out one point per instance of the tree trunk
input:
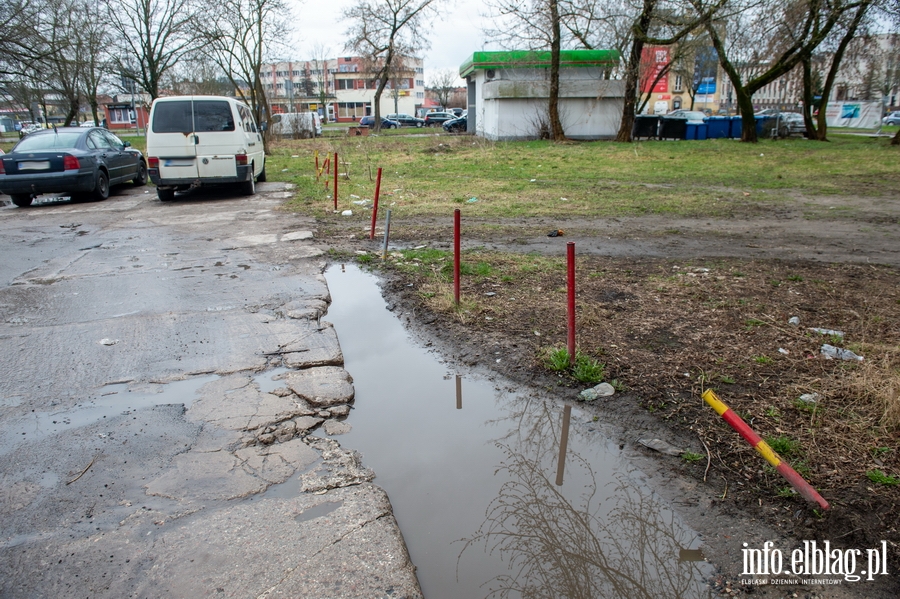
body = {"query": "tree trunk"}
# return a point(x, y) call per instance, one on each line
point(808, 98)
point(748, 119)
point(633, 70)
point(556, 128)
point(895, 141)
point(822, 133)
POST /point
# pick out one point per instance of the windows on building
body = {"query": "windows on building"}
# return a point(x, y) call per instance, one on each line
point(353, 110)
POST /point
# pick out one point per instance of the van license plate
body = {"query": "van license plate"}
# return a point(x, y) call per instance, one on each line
point(34, 165)
point(171, 162)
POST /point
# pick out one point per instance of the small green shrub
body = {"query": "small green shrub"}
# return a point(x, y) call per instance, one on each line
point(558, 360)
point(587, 369)
point(877, 476)
point(690, 456)
point(784, 446)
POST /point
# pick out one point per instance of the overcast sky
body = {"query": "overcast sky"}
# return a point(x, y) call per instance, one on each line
point(454, 36)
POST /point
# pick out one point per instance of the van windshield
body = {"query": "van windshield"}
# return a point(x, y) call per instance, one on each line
point(177, 117)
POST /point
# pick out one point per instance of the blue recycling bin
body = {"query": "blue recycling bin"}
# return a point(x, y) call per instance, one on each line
point(735, 124)
point(695, 131)
point(717, 127)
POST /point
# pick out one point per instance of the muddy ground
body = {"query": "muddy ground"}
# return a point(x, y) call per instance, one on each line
point(673, 307)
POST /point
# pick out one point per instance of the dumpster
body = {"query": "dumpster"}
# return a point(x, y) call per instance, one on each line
point(672, 128)
point(734, 130)
point(695, 131)
point(717, 127)
point(645, 125)
point(765, 126)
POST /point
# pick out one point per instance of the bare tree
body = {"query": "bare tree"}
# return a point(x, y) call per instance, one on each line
point(239, 38)
point(94, 41)
point(158, 33)
point(533, 25)
point(384, 31)
point(780, 33)
point(320, 75)
point(443, 83)
point(20, 45)
point(847, 33)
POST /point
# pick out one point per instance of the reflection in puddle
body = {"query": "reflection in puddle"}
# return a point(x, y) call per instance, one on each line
point(513, 496)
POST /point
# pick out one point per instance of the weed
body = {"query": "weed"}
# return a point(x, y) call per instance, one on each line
point(877, 476)
point(786, 492)
point(805, 406)
point(879, 451)
point(795, 278)
point(750, 323)
point(784, 446)
point(691, 457)
point(587, 369)
point(728, 380)
point(762, 359)
point(773, 412)
point(365, 258)
point(618, 385)
point(775, 283)
point(557, 360)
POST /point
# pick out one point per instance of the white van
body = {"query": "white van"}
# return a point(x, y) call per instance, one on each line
point(203, 140)
point(296, 125)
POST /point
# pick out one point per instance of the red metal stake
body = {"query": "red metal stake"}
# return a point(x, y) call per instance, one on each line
point(570, 258)
point(375, 207)
point(456, 257)
point(317, 163)
point(335, 179)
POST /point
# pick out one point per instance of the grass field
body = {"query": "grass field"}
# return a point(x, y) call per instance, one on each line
point(432, 174)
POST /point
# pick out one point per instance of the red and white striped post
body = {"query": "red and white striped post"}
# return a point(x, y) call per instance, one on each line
point(737, 423)
point(456, 257)
point(335, 179)
point(375, 206)
point(570, 259)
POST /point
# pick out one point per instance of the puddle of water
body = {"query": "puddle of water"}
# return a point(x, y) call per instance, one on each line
point(323, 509)
point(112, 400)
point(484, 497)
point(267, 381)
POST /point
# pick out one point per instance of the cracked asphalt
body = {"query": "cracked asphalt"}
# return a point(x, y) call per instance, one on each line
point(168, 398)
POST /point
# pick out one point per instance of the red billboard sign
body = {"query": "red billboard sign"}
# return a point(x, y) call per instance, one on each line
point(654, 60)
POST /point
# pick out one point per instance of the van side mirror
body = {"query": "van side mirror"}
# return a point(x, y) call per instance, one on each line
point(263, 126)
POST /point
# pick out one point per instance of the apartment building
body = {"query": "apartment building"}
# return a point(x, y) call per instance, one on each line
point(342, 89)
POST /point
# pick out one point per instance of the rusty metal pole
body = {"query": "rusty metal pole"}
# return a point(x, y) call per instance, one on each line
point(335, 179)
point(375, 206)
point(456, 219)
point(563, 446)
point(570, 259)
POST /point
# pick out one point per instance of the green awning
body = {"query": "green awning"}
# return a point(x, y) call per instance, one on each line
point(539, 59)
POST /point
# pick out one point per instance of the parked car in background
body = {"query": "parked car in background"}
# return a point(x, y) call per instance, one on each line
point(296, 125)
point(790, 123)
point(73, 161)
point(369, 121)
point(406, 120)
point(457, 111)
point(30, 128)
point(459, 125)
point(892, 118)
point(433, 119)
point(692, 116)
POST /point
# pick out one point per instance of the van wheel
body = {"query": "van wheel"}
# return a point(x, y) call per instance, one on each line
point(262, 175)
point(21, 200)
point(248, 188)
point(165, 195)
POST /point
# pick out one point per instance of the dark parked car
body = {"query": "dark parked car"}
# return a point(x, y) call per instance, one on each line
point(406, 120)
point(433, 119)
point(457, 111)
point(459, 125)
point(73, 161)
point(369, 121)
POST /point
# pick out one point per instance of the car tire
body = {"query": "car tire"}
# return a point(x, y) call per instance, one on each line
point(419, 125)
point(101, 187)
point(141, 177)
point(393, 127)
point(165, 195)
point(261, 178)
point(22, 200)
point(248, 188)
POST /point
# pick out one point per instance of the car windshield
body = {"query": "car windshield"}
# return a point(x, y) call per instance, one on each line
point(48, 141)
